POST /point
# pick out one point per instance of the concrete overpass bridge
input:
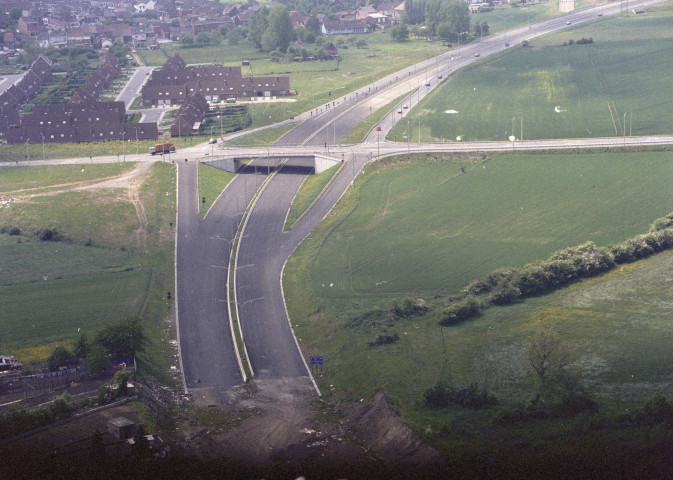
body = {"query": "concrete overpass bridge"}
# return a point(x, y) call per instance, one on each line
point(304, 162)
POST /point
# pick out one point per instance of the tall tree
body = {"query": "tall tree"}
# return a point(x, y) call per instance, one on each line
point(313, 24)
point(81, 346)
point(123, 339)
point(259, 22)
point(280, 25)
point(97, 360)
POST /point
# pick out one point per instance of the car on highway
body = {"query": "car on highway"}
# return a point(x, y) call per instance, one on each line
point(567, 23)
point(477, 54)
point(405, 106)
point(427, 84)
point(507, 44)
point(212, 140)
point(399, 111)
point(378, 128)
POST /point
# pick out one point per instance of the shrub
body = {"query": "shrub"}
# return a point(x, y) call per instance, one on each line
point(658, 409)
point(489, 282)
point(578, 402)
point(409, 307)
point(444, 395)
point(384, 340)
point(48, 235)
point(532, 280)
point(460, 311)
point(59, 357)
point(506, 295)
point(662, 223)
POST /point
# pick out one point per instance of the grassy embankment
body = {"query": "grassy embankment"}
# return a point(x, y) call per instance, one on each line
point(211, 183)
point(103, 269)
point(389, 239)
point(307, 193)
point(20, 153)
point(550, 90)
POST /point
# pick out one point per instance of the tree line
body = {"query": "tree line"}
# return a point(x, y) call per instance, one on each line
point(115, 340)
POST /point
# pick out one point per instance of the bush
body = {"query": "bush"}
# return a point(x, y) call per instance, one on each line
point(59, 357)
point(658, 409)
point(662, 223)
point(48, 235)
point(532, 280)
point(384, 340)
point(489, 282)
point(506, 295)
point(444, 395)
point(409, 307)
point(578, 402)
point(460, 311)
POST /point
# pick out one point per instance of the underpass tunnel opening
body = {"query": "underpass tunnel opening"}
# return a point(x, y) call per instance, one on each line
point(305, 164)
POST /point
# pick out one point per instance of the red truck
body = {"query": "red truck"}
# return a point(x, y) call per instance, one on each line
point(162, 148)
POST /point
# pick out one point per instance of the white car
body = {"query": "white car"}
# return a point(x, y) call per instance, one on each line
point(212, 140)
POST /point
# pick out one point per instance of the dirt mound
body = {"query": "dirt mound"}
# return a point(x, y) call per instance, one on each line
point(388, 434)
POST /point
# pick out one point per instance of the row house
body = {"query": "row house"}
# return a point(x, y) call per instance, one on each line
point(102, 78)
point(189, 117)
point(86, 122)
point(174, 82)
point(83, 133)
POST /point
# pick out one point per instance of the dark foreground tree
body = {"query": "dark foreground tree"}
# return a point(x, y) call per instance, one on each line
point(123, 339)
point(58, 358)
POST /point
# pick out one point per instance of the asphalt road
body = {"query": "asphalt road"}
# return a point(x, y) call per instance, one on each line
point(9, 80)
point(132, 88)
point(209, 359)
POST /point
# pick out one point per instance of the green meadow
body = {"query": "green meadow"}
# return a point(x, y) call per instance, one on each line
point(211, 183)
point(308, 193)
point(390, 239)
point(610, 87)
point(434, 225)
point(35, 151)
point(114, 258)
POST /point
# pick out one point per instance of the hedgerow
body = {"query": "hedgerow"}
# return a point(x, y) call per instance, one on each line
point(508, 285)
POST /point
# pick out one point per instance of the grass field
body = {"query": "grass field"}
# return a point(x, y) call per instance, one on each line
point(507, 18)
point(358, 133)
point(610, 87)
point(388, 240)
point(211, 183)
point(261, 138)
point(105, 270)
point(308, 192)
point(33, 151)
point(506, 211)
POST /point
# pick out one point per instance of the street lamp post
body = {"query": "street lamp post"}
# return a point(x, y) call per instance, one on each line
point(43, 156)
point(124, 144)
point(27, 154)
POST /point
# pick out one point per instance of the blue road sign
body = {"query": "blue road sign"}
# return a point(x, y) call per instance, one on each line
point(316, 360)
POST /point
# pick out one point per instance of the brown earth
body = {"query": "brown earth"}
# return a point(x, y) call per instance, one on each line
point(282, 424)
